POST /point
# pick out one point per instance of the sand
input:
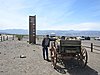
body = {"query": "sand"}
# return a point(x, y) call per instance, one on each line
point(33, 63)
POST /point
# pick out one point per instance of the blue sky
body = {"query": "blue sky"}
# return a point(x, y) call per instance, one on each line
point(51, 14)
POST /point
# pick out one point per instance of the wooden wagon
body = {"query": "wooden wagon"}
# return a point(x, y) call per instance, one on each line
point(68, 49)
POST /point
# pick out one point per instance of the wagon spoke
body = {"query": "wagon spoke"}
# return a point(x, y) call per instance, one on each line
point(53, 55)
point(83, 57)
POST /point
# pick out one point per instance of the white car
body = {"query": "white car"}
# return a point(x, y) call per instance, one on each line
point(97, 38)
point(52, 34)
point(82, 38)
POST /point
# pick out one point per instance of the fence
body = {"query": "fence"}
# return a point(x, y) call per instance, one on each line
point(92, 47)
point(6, 37)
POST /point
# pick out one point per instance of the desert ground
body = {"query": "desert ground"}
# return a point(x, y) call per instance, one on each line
point(33, 64)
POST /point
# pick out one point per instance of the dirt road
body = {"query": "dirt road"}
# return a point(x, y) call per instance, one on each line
point(33, 64)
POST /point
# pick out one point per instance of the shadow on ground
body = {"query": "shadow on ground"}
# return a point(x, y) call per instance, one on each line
point(73, 68)
point(39, 44)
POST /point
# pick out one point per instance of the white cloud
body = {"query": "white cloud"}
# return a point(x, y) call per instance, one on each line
point(15, 14)
point(80, 26)
point(11, 15)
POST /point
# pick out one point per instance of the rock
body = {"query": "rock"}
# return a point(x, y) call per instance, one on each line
point(1, 71)
point(22, 56)
point(33, 50)
point(4, 54)
point(27, 45)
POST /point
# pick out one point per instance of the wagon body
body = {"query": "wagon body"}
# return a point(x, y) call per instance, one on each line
point(70, 46)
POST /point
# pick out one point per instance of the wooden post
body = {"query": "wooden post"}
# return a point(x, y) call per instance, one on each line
point(7, 38)
point(91, 47)
point(13, 37)
point(1, 38)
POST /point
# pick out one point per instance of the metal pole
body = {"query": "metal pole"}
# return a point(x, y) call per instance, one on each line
point(7, 38)
point(13, 37)
point(91, 47)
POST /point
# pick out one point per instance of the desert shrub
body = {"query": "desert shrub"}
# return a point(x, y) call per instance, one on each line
point(19, 37)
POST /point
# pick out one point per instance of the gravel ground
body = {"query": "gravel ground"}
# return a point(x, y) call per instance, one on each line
point(33, 64)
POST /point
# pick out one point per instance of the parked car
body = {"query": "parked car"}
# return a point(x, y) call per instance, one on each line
point(97, 38)
point(82, 38)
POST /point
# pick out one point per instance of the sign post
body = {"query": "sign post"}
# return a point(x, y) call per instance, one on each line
point(32, 29)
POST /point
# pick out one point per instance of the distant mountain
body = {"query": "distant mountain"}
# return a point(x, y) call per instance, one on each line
point(70, 33)
point(14, 31)
point(57, 32)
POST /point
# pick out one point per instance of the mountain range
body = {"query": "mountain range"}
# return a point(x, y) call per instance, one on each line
point(57, 32)
point(14, 31)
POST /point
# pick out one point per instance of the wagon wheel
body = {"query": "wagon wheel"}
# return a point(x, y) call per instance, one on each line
point(83, 57)
point(53, 55)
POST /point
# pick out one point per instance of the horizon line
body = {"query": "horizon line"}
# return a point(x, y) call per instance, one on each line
point(50, 30)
